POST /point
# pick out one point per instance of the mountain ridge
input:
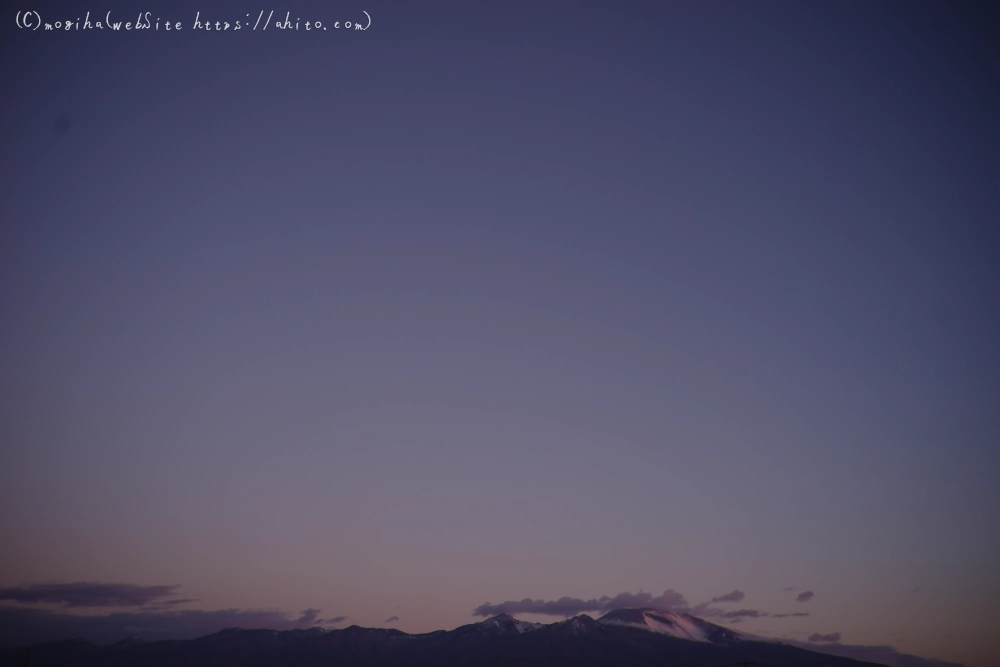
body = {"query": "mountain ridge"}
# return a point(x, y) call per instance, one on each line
point(638, 637)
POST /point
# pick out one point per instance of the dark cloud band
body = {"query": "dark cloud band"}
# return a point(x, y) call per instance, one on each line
point(21, 626)
point(88, 594)
point(735, 596)
point(567, 606)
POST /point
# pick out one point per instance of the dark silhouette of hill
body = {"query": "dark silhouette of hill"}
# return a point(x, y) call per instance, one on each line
point(617, 639)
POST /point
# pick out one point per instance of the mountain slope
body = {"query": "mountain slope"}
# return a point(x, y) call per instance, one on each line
point(681, 626)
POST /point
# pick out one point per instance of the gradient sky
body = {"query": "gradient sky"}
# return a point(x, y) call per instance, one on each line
point(512, 300)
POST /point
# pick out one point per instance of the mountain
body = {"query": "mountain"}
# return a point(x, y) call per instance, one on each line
point(637, 637)
point(497, 626)
point(681, 626)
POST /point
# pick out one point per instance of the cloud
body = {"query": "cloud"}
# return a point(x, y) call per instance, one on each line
point(714, 613)
point(735, 596)
point(745, 613)
point(705, 610)
point(182, 601)
point(670, 600)
point(817, 637)
point(796, 613)
point(567, 606)
point(805, 597)
point(308, 617)
point(335, 620)
point(21, 626)
point(391, 619)
point(88, 594)
point(882, 655)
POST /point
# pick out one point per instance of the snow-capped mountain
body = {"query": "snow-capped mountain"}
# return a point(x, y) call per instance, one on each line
point(504, 623)
point(634, 637)
point(681, 626)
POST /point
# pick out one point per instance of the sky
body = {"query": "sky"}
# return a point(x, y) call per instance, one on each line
point(487, 306)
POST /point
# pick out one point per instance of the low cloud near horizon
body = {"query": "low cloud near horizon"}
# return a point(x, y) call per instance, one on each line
point(308, 618)
point(671, 600)
point(735, 596)
point(805, 597)
point(567, 606)
point(740, 614)
point(23, 626)
point(90, 594)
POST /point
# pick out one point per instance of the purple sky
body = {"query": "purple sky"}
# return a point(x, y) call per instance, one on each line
point(497, 301)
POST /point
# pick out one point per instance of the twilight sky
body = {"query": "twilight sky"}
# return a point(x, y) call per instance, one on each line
point(497, 301)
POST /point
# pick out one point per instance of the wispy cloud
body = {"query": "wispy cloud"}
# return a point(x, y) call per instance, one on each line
point(334, 621)
point(817, 638)
point(670, 600)
point(567, 606)
point(805, 597)
point(735, 596)
point(705, 610)
point(308, 617)
point(88, 594)
point(736, 616)
point(391, 619)
point(744, 613)
point(20, 626)
point(795, 613)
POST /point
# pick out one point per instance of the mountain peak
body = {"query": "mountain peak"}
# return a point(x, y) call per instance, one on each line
point(505, 623)
point(675, 624)
point(578, 624)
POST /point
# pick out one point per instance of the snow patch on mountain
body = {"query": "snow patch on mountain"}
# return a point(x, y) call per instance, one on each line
point(506, 622)
point(673, 624)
